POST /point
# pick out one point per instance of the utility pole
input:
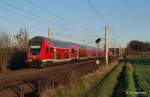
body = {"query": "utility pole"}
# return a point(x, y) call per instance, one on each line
point(84, 43)
point(49, 33)
point(120, 48)
point(106, 46)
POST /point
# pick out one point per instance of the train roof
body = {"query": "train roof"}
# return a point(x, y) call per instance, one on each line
point(57, 43)
point(36, 40)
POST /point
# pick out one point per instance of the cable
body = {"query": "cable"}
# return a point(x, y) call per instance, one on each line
point(61, 18)
point(22, 10)
point(31, 14)
point(16, 22)
point(96, 12)
point(48, 11)
point(17, 13)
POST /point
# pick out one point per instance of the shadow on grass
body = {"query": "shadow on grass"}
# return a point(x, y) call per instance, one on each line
point(137, 85)
point(31, 95)
point(120, 89)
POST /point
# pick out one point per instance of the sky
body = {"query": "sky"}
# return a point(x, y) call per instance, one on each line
point(76, 21)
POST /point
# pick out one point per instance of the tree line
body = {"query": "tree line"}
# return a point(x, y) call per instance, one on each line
point(11, 47)
point(138, 47)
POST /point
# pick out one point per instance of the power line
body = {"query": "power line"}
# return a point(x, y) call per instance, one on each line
point(22, 10)
point(31, 14)
point(17, 13)
point(100, 16)
point(45, 20)
point(60, 18)
point(48, 11)
point(37, 6)
point(17, 22)
point(96, 11)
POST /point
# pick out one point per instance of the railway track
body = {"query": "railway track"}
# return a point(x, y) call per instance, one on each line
point(13, 78)
point(36, 80)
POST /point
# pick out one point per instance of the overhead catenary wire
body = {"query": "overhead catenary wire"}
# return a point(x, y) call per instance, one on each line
point(56, 16)
point(20, 23)
point(22, 10)
point(41, 18)
point(100, 16)
point(96, 12)
point(45, 9)
point(27, 13)
point(32, 14)
point(31, 2)
point(35, 5)
point(13, 19)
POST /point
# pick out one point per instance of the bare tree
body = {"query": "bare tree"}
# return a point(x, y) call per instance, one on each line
point(21, 39)
point(5, 51)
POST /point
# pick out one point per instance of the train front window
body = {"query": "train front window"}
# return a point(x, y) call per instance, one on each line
point(35, 49)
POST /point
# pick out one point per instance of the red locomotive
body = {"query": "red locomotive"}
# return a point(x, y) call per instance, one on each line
point(43, 50)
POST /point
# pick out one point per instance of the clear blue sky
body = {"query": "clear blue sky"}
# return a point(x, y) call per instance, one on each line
point(75, 20)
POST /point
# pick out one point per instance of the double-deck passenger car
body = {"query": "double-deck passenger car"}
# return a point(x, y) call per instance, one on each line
point(43, 51)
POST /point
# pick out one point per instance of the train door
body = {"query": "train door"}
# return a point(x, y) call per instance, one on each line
point(46, 53)
point(74, 53)
point(51, 51)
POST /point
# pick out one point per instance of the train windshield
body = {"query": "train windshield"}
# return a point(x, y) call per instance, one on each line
point(35, 49)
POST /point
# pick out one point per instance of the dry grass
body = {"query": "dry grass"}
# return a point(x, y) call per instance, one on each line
point(5, 51)
point(78, 87)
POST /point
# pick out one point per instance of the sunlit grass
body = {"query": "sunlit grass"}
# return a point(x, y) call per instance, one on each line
point(141, 66)
point(125, 86)
point(144, 60)
point(130, 91)
point(106, 87)
point(142, 77)
point(85, 84)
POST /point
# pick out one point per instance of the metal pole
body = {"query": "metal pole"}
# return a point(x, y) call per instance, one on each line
point(49, 33)
point(106, 47)
point(97, 60)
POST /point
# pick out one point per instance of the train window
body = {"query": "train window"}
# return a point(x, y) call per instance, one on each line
point(47, 49)
point(35, 49)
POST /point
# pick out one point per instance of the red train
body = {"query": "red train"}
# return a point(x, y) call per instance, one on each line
point(43, 50)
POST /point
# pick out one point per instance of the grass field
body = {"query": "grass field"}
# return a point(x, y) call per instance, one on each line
point(142, 60)
point(134, 80)
point(83, 86)
point(123, 80)
point(141, 75)
point(106, 87)
point(126, 83)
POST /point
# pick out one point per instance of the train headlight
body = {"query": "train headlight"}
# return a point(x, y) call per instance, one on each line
point(29, 60)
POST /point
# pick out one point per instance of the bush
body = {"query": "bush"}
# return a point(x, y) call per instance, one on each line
point(5, 51)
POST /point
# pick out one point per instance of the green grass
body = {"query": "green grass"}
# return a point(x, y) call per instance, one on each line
point(141, 75)
point(126, 83)
point(121, 82)
point(143, 60)
point(130, 81)
point(142, 78)
point(106, 87)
